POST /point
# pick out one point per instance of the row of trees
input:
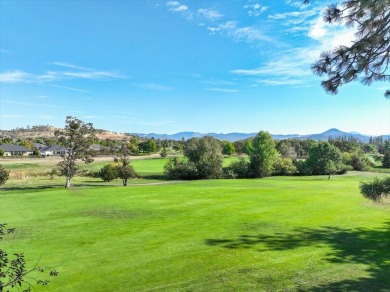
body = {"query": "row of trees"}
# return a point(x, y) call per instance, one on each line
point(203, 159)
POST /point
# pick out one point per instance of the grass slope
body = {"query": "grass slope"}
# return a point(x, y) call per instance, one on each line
point(279, 233)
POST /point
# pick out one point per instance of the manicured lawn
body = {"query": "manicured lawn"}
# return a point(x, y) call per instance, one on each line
point(279, 233)
point(42, 167)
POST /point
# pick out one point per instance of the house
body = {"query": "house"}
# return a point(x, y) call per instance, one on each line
point(39, 146)
point(53, 150)
point(96, 147)
point(10, 150)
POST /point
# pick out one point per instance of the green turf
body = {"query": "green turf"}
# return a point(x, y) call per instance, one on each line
point(274, 234)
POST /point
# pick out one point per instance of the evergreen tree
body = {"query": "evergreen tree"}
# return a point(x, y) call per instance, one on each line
point(368, 56)
point(386, 157)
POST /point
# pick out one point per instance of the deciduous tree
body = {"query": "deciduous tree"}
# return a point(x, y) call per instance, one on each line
point(14, 273)
point(228, 148)
point(262, 155)
point(4, 175)
point(203, 159)
point(206, 154)
point(324, 158)
point(125, 169)
point(77, 137)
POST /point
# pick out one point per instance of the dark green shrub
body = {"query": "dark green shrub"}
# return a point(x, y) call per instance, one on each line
point(237, 169)
point(4, 175)
point(284, 166)
point(108, 172)
point(302, 167)
point(179, 168)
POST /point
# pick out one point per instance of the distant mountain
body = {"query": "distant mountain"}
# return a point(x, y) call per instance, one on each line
point(48, 132)
point(334, 133)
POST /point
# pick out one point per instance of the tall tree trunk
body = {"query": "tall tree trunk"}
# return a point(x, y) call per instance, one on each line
point(124, 182)
point(67, 184)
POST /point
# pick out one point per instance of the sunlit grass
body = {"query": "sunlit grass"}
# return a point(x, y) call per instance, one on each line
point(279, 233)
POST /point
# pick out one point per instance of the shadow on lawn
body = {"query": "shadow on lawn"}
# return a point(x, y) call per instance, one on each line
point(30, 188)
point(360, 246)
point(52, 186)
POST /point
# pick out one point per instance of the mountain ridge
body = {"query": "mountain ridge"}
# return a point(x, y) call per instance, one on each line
point(48, 132)
point(235, 136)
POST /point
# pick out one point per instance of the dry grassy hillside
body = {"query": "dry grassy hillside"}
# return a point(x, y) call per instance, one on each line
point(48, 132)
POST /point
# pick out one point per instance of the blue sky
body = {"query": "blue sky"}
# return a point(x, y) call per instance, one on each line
point(168, 66)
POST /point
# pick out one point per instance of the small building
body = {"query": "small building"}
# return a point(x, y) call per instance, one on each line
point(11, 150)
point(53, 150)
point(39, 146)
point(96, 147)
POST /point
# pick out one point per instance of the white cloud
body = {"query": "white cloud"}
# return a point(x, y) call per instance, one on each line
point(255, 9)
point(45, 117)
point(300, 15)
point(70, 88)
point(93, 117)
point(19, 76)
point(173, 3)
point(15, 76)
point(297, 4)
point(223, 90)
point(176, 6)
point(292, 67)
point(12, 116)
point(68, 65)
point(210, 14)
point(217, 82)
point(237, 33)
point(180, 8)
point(153, 86)
point(27, 104)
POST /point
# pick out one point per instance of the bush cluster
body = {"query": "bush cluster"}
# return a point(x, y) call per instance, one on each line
point(112, 171)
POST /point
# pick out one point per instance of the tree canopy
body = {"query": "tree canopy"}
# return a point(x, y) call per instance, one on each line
point(324, 158)
point(262, 155)
point(4, 175)
point(368, 57)
point(203, 159)
point(77, 137)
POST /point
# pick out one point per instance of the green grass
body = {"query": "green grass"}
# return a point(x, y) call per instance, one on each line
point(279, 233)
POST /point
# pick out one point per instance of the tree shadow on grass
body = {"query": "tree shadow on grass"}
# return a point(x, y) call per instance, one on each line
point(30, 188)
point(359, 246)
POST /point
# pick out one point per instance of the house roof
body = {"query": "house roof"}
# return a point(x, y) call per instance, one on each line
point(55, 148)
point(11, 148)
point(96, 147)
point(39, 145)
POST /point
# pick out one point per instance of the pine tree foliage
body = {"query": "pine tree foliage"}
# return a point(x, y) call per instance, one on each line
point(368, 57)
